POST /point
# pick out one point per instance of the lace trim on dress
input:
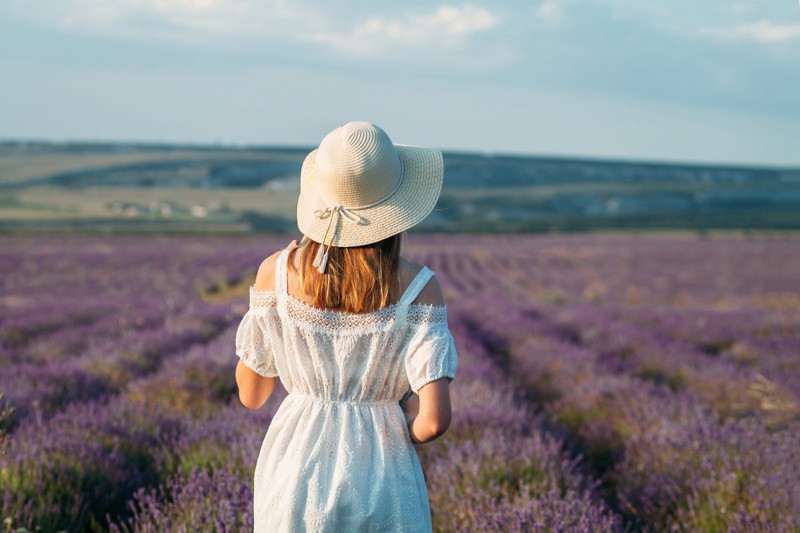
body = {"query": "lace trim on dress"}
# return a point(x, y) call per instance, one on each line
point(332, 321)
point(262, 298)
point(427, 314)
point(337, 322)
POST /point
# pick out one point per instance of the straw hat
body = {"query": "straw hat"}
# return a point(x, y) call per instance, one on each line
point(358, 188)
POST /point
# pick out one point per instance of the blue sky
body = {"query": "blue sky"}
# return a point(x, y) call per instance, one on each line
point(677, 80)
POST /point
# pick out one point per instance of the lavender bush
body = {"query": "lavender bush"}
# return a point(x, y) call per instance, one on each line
point(606, 383)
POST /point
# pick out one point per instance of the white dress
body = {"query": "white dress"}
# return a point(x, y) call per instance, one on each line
point(337, 455)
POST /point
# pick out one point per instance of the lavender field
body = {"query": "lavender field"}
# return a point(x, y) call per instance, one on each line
point(637, 382)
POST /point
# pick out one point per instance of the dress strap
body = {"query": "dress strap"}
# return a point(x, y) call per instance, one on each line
point(281, 279)
point(416, 286)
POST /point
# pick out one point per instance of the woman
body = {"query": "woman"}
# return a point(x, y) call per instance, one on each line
point(348, 325)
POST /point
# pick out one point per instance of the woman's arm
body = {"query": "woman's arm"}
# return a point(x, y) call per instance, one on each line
point(433, 417)
point(254, 390)
point(434, 414)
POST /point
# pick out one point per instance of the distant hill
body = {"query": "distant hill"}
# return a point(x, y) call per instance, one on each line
point(202, 188)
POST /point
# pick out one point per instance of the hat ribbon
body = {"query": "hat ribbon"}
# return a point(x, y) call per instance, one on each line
point(331, 213)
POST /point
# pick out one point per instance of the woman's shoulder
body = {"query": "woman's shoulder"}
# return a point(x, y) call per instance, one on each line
point(265, 277)
point(431, 294)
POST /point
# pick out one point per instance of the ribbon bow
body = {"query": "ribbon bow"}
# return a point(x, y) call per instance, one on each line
point(331, 213)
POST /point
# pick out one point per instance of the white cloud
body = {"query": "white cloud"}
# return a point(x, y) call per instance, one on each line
point(550, 11)
point(767, 32)
point(762, 31)
point(460, 21)
point(343, 28)
point(447, 27)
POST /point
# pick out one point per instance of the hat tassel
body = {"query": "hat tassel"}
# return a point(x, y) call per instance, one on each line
point(322, 264)
point(321, 258)
point(318, 257)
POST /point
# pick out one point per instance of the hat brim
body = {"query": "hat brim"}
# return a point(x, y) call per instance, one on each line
point(410, 204)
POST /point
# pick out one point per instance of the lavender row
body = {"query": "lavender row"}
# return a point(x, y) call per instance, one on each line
point(84, 317)
point(669, 450)
point(80, 469)
point(678, 290)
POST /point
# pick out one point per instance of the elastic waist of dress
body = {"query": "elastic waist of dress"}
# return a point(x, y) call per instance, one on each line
point(346, 401)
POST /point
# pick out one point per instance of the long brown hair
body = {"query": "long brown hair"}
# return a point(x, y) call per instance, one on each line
point(358, 279)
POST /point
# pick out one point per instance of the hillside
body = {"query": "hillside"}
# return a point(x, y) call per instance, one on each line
point(175, 188)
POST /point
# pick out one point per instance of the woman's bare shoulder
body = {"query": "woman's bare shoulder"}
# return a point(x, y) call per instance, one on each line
point(265, 277)
point(432, 293)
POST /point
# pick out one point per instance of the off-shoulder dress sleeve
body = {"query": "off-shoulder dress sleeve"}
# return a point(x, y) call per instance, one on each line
point(431, 353)
point(253, 342)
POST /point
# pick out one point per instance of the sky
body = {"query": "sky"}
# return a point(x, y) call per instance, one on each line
point(680, 80)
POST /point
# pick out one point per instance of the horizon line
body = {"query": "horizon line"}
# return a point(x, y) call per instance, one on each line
point(219, 145)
